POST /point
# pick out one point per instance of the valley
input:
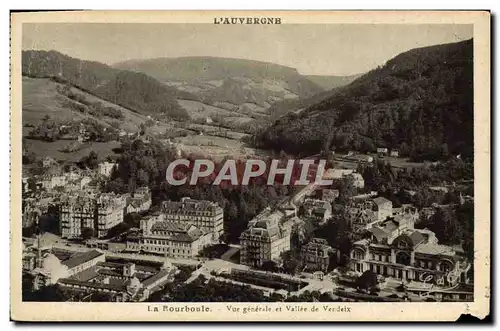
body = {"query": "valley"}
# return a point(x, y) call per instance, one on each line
point(231, 107)
point(224, 102)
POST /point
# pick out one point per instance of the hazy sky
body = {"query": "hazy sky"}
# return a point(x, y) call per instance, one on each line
point(331, 49)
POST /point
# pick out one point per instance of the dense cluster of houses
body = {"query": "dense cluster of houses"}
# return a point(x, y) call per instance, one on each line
point(391, 246)
point(76, 200)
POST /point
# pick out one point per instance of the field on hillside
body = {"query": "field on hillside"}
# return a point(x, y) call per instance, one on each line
point(40, 98)
point(216, 147)
point(396, 162)
point(53, 149)
point(198, 110)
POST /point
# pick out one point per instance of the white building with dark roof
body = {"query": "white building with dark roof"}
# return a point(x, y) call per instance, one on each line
point(53, 266)
point(123, 281)
point(172, 239)
point(106, 168)
point(382, 208)
point(382, 150)
point(206, 215)
point(139, 201)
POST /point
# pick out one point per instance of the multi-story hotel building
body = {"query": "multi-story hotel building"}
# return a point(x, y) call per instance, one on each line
point(110, 208)
point(172, 239)
point(265, 238)
point(396, 249)
point(206, 215)
point(99, 213)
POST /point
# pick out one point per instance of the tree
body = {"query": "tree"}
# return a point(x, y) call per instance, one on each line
point(90, 161)
point(51, 293)
point(445, 225)
point(269, 265)
point(142, 128)
point(346, 188)
point(224, 238)
point(291, 262)
point(29, 158)
point(404, 149)
point(337, 232)
point(87, 233)
point(367, 280)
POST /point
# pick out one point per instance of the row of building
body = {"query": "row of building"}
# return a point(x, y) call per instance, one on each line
point(269, 235)
point(89, 272)
point(75, 180)
point(393, 247)
point(99, 212)
point(85, 209)
point(181, 229)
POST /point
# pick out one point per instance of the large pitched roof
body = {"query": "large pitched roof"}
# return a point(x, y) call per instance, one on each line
point(417, 237)
point(80, 258)
point(381, 200)
point(190, 205)
point(163, 273)
point(378, 233)
point(169, 226)
point(435, 249)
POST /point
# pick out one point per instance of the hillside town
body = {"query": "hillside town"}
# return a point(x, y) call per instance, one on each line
point(83, 243)
point(351, 178)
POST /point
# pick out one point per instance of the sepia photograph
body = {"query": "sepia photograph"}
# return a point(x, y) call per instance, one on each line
point(250, 165)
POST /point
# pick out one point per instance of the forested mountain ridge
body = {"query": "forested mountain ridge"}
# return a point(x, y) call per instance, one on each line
point(204, 68)
point(132, 90)
point(420, 102)
point(230, 82)
point(331, 82)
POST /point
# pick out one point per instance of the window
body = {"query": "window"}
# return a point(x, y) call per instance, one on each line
point(403, 244)
point(403, 258)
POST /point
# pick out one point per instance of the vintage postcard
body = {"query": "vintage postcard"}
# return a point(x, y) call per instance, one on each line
point(250, 166)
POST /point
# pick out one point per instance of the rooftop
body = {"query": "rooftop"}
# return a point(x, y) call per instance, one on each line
point(170, 226)
point(190, 205)
point(417, 237)
point(163, 273)
point(435, 249)
point(378, 233)
point(267, 233)
point(80, 258)
point(388, 225)
point(381, 200)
